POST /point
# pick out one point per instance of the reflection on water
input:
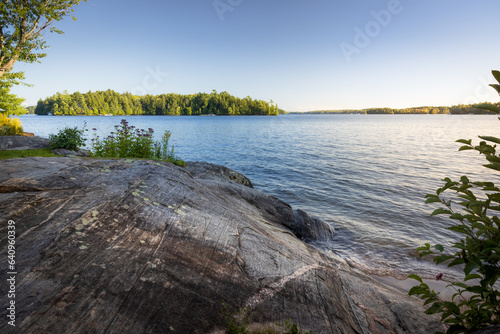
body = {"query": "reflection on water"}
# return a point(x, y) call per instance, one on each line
point(365, 174)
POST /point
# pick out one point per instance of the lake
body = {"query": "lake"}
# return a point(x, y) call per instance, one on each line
point(367, 175)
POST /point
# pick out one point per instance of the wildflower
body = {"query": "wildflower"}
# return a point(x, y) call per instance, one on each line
point(439, 276)
point(94, 129)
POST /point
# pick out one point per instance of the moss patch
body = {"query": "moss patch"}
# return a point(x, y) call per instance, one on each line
point(41, 152)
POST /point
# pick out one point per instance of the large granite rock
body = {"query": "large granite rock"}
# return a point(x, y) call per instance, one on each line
point(22, 142)
point(136, 246)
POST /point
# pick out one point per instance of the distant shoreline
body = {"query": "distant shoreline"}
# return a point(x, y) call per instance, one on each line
point(388, 114)
point(426, 110)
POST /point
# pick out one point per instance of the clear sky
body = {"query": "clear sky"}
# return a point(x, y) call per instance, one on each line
point(304, 55)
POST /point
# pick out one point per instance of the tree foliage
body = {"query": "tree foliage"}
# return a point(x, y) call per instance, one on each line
point(21, 25)
point(10, 104)
point(476, 303)
point(113, 103)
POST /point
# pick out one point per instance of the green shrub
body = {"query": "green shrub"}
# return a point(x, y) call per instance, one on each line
point(476, 303)
point(237, 323)
point(129, 142)
point(68, 138)
point(10, 126)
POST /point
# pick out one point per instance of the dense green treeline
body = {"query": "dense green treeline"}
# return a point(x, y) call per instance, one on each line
point(112, 103)
point(458, 110)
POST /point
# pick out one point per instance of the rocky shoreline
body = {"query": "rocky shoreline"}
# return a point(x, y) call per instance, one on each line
point(137, 246)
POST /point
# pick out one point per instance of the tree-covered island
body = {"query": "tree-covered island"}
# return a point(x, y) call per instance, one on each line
point(110, 102)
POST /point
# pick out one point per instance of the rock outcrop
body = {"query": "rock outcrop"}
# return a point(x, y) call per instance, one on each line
point(311, 228)
point(208, 171)
point(136, 246)
point(70, 153)
point(22, 142)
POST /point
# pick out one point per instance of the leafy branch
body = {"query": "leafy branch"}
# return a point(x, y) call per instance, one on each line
point(476, 303)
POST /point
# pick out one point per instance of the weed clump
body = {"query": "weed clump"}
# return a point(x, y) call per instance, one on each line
point(129, 142)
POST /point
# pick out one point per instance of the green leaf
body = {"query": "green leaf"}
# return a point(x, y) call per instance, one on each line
point(493, 166)
point(457, 216)
point(491, 139)
point(417, 290)
point(496, 87)
point(472, 276)
point(487, 106)
point(452, 307)
point(432, 198)
point(458, 228)
point(459, 245)
point(469, 267)
point(435, 308)
point(430, 300)
point(415, 277)
point(492, 158)
point(475, 289)
point(442, 258)
point(445, 315)
point(421, 255)
point(457, 261)
point(464, 148)
point(426, 247)
point(496, 74)
point(440, 211)
point(439, 247)
point(461, 285)
point(464, 141)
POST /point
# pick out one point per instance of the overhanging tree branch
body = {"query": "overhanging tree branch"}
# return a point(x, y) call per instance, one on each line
point(21, 25)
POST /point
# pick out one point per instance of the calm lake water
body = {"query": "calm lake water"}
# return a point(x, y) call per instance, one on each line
point(367, 175)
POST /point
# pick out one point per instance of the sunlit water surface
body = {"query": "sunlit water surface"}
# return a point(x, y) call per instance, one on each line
point(367, 175)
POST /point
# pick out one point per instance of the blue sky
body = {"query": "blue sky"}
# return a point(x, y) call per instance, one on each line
point(304, 55)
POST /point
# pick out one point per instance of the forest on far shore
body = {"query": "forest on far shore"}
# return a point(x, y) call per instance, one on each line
point(461, 109)
point(110, 102)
